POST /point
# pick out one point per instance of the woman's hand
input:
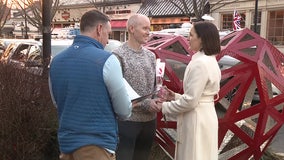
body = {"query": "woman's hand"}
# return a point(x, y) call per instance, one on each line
point(166, 94)
point(154, 105)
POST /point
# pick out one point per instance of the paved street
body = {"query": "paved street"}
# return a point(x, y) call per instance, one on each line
point(277, 144)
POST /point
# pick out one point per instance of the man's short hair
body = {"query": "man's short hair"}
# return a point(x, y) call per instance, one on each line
point(92, 18)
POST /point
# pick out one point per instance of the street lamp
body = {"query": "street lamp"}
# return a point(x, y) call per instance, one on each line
point(26, 28)
point(22, 28)
point(255, 15)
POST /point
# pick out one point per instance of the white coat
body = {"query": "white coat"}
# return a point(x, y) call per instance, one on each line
point(197, 122)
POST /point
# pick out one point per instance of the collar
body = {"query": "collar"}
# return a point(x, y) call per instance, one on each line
point(126, 46)
point(198, 54)
point(85, 39)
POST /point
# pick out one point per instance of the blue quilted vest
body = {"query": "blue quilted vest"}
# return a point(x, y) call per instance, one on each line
point(85, 112)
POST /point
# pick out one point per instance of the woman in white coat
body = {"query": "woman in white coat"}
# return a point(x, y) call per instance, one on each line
point(197, 122)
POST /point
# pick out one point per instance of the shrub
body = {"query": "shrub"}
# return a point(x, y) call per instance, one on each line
point(28, 121)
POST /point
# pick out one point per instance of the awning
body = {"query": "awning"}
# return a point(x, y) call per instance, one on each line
point(161, 8)
point(7, 30)
point(118, 23)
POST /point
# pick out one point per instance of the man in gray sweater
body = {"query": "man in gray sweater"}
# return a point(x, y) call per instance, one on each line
point(138, 67)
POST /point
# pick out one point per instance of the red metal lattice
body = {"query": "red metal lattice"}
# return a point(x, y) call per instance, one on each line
point(251, 100)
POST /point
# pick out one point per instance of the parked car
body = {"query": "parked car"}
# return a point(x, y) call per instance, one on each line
point(227, 62)
point(2, 47)
point(28, 54)
point(112, 44)
point(5, 42)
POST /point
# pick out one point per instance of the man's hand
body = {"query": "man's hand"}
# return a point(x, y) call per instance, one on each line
point(154, 105)
point(159, 105)
point(135, 104)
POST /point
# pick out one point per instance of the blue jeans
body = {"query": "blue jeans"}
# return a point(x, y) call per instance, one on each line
point(135, 140)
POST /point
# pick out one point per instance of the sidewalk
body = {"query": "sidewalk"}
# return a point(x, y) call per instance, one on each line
point(277, 144)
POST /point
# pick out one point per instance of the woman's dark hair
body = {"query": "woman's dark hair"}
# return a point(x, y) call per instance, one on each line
point(209, 35)
point(92, 18)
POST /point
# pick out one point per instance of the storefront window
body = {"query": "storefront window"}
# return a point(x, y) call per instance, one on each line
point(275, 27)
point(227, 21)
point(158, 27)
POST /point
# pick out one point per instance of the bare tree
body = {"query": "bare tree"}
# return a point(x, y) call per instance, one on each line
point(5, 8)
point(197, 8)
point(32, 11)
point(221, 3)
point(99, 3)
point(190, 8)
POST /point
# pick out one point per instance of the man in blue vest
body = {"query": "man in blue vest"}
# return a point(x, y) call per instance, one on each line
point(87, 87)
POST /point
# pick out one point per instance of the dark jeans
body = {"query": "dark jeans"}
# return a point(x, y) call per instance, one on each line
point(135, 140)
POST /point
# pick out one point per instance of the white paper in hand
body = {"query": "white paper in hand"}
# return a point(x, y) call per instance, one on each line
point(130, 91)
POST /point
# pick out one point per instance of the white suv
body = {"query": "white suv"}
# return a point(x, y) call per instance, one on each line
point(28, 55)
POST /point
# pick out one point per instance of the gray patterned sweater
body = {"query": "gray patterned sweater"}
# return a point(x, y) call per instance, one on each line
point(138, 69)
